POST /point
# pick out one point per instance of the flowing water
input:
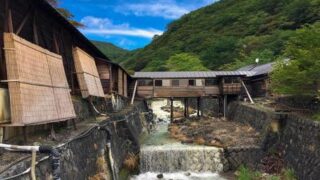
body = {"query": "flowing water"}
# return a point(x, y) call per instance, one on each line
point(161, 154)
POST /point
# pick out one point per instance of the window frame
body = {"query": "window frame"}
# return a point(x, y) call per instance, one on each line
point(158, 85)
point(208, 82)
point(175, 80)
point(193, 84)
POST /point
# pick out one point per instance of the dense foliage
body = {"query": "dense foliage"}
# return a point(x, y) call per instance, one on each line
point(65, 12)
point(185, 62)
point(300, 75)
point(228, 34)
point(111, 51)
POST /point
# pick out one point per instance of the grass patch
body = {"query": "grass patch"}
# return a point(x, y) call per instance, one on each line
point(316, 116)
point(244, 173)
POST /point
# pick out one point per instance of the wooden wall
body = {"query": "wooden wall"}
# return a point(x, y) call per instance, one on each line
point(37, 23)
point(104, 74)
point(120, 81)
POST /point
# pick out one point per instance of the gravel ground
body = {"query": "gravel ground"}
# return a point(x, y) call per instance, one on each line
point(215, 132)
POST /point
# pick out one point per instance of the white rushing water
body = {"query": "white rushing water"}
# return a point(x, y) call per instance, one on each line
point(179, 176)
point(161, 154)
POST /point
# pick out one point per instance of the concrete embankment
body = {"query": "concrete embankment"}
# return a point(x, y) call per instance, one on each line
point(297, 137)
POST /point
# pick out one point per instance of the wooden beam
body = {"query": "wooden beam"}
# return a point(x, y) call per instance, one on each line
point(8, 19)
point(249, 96)
point(134, 91)
point(24, 20)
point(55, 42)
point(34, 29)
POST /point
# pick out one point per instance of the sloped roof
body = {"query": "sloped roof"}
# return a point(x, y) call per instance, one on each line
point(191, 74)
point(258, 69)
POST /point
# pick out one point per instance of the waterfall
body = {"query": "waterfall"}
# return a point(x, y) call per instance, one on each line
point(174, 158)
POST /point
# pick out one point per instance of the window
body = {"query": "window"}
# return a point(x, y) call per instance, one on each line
point(192, 82)
point(158, 82)
point(145, 82)
point(211, 82)
point(175, 82)
point(230, 80)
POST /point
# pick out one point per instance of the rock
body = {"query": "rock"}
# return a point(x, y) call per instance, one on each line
point(187, 174)
point(160, 176)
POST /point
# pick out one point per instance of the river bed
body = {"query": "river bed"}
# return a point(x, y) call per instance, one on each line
point(161, 155)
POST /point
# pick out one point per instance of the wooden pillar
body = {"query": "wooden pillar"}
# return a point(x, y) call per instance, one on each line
point(185, 107)
point(110, 78)
point(171, 109)
point(225, 101)
point(198, 106)
point(8, 21)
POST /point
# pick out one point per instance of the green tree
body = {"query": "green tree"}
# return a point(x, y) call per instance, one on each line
point(65, 12)
point(301, 75)
point(185, 62)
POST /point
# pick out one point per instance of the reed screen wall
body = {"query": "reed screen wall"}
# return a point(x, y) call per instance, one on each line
point(38, 88)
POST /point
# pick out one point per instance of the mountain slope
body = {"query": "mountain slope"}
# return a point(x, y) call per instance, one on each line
point(113, 52)
point(228, 34)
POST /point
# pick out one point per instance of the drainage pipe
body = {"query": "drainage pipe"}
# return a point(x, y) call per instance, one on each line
point(41, 149)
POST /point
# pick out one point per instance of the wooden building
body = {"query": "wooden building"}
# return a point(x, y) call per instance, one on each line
point(36, 33)
point(259, 82)
point(189, 84)
point(38, 22)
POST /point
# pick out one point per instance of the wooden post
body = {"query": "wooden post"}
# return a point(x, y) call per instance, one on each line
point(185, 107)
point(25, 134)
point(198, 106)
point(225, 105)
point(134, 91)
point(110, 77)
point(171, 109)
point(1, 134)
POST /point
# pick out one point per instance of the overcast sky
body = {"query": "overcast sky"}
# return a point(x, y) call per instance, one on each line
point(129, 24)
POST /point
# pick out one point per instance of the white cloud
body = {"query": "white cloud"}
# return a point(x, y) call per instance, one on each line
point(105, 27)
point(166, 10)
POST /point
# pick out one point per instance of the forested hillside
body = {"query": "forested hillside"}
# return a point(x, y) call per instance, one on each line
point(226, 35)
point(110, 50)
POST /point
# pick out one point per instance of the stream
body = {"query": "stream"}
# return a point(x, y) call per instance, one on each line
point(162, 157)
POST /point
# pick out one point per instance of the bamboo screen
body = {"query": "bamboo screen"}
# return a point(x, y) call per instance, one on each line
point(87, 74)
point(38, 88)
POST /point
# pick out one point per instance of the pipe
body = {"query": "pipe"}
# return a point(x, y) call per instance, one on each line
point(55, 160)
point(95, 109)
point(54, 153)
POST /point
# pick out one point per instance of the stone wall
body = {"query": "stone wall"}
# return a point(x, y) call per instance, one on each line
point(86, 156)
point(299, 137)
point(301, 102)
point(209, 106)
point(256, 117)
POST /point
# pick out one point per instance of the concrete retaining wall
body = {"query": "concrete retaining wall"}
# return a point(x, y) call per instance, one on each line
point(299, 137)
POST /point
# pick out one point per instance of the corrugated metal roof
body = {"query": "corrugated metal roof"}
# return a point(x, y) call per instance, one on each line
point(191, 74)
point(258, 69)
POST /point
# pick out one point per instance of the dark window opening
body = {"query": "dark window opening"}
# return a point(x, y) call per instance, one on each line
point(146, 82)
point(158, 82)
point(175, 82)
point(231, 80)
point(211, 82)
point(192, 82)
